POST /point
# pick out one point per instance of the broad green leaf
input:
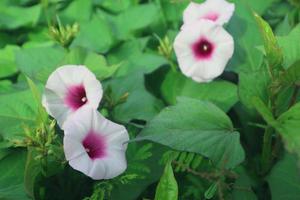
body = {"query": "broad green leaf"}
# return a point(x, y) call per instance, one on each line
point(167, 188)
point(254, 84)
point(38, 63)
point(115, 7)
point(7, 61)
point(77, 11)
point(197, 126)
point(244, 30)
point(222, 93)
point(292, 75)
point(284, 179)
point(288, 125)
point(94, 35)
point(140, 104)
point(12, 176)
point(135, 18)
point(290, 47)
point(95, 62)
point(132, 57)
point(273, 52)
point(12, 17)
point(17, 110)
point(256, 5)
point(98, 65)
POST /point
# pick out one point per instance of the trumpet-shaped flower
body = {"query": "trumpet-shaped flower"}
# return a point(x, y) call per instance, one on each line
point(219, 11)
point(203, 49)
point(69, 88)
point(94, 145)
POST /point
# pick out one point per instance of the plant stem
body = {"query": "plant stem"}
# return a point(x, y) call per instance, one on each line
point(267, 150)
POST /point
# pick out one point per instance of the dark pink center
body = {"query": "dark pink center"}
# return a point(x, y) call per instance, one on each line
point(203, 49)
point(76, 97)
point(94, 145)
point(211, 16)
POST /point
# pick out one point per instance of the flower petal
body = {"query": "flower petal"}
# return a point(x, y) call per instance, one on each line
point(88, 134)
point(219, 11)
point(217, 49)
point(69, 88)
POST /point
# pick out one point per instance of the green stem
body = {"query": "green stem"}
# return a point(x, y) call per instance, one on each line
point(267, 150)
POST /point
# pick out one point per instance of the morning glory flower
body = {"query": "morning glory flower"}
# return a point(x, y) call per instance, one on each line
point(219, 11)
point(69, 88)
point(94, 145)
point(203, 48)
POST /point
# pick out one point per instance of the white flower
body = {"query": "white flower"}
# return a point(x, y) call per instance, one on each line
point(203, 49)
point(69, 88)
point(219, 11)
point(94, 145)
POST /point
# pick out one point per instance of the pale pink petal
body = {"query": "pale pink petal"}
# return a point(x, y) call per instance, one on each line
point(218, 11)
point(203, 50)
point(69, 88)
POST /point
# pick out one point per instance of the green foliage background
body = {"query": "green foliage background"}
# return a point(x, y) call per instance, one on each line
point(236, 137)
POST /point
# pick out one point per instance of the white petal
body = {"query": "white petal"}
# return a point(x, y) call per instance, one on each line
point(203, 70)
point(58, 85)
point(220, 11)
point(73, 148)
point(81, 124)
point(82, 163)
point(110, 167)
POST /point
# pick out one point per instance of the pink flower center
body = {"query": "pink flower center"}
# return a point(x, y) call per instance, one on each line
point(203, 49)
point(76, 97)
point(94, 145)
point(211, 16)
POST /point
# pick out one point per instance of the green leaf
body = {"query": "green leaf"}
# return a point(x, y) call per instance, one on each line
point(12, 17)
point(17, 110)
point(288, 126)
point(11, 176)
point(221, 93)
point(197, 126)
point(242, 26)
point(135, 18)
point(94, 35)
point(254, 84)
point(132, 57)
point(7, 61)
point(95, 62)
point(273, 51)
point(38, 63)
point(258, 5)
point(211, 191)
point(290, 47)
point(284, 179)
point(77, 11)
point(140, 104)
point(167, 188)
point(292, 75)
point(263, 110)
point(113, 6)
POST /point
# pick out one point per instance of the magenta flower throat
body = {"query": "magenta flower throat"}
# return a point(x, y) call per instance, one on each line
point(203, 49)
point(76, 97)
point(94, 145)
